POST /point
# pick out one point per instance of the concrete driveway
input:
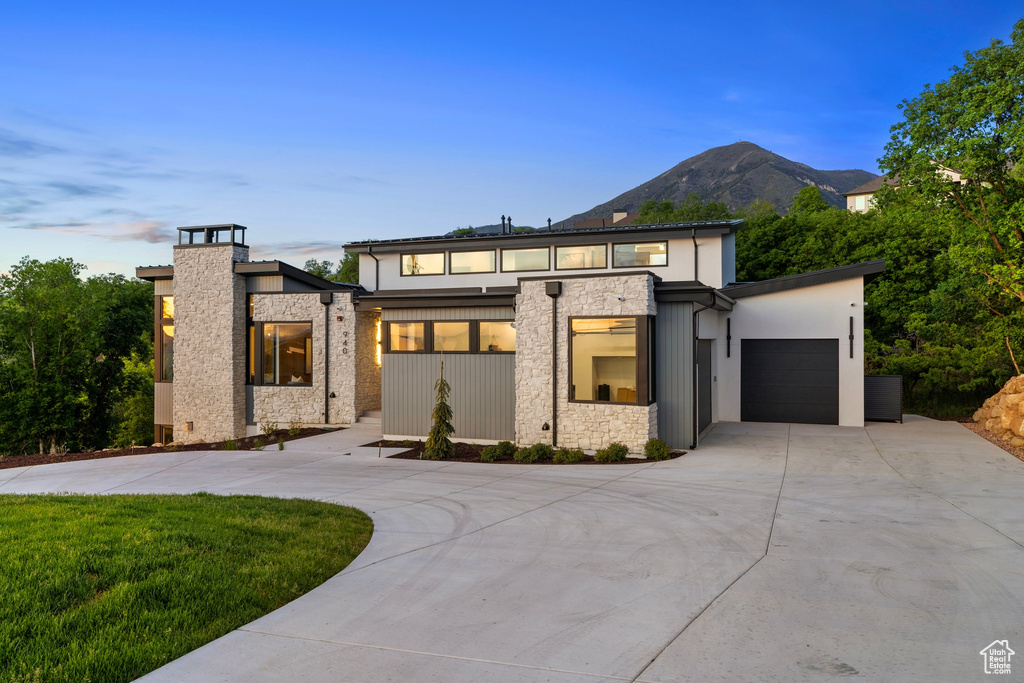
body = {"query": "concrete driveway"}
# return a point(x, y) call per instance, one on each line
point(774, 552)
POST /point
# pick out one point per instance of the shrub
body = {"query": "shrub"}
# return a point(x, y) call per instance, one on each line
point(230, 445)
point(268, 428)
point(534, 453)
point(566, 456)
point(257, 445)
point(503, 450)
point(656, 449)
point(294, 428)
point(439, 444)
point(280, 443)
point(615, 452)
point(489, 454)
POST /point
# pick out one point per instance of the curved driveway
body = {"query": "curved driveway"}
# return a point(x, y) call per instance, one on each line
point(774, 552)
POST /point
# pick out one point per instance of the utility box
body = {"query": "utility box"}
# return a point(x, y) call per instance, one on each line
point(883, 398)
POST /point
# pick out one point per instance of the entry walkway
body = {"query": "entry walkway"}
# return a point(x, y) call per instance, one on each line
point(778, 552)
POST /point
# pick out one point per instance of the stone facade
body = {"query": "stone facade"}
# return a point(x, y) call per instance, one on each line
point(353, 377)
point(1003, 414)
point(209, 342)
point(580, 425)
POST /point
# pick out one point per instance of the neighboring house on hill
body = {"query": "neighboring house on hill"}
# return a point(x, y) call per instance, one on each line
point(574, 338)
point(619, 217)
point(860, 198)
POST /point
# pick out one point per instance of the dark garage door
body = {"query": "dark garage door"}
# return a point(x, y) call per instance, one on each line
point(789, 380)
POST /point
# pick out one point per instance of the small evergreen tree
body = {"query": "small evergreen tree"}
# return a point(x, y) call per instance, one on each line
point(439, 446)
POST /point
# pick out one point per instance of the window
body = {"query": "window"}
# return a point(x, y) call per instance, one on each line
point(525, 259)
point(859, 203)
point(165, 339)
point(407, 337)
point(497, 336)
point(165, 434)
point(471, 262)
point(423, 264)
point(632, 255)
point(451, 337)
point(288, 353)
point(606, 366)
point(571, 258)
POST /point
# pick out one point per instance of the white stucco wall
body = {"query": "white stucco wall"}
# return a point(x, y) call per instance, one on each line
point(818, 312)
point(717, 267)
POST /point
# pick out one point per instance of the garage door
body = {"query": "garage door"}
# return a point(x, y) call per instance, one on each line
point(789, 380)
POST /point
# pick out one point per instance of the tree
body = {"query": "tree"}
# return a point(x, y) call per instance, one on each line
point(809, 200)
point(347, 271)
point(439, 445)
point(693, 209)
point(973, 125)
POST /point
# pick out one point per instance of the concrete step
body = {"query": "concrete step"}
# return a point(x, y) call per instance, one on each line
point(372, 417)
point(371, 413)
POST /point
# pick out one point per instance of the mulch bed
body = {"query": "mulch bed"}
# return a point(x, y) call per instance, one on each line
point(246, 444)
point(1015, 451)
point(470, 452)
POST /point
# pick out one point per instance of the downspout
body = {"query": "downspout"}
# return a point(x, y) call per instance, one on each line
point(326, 298)
point(376, 271)
point(696, 331)
point(693, 236)
point(554, 289)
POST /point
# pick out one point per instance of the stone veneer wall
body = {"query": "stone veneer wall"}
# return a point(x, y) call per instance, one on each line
point(353, 377)
point(209, 342)
point(580, 425)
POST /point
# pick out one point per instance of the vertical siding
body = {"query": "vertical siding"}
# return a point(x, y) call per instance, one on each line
point(163, 288)
point(163, 412)
point(477, 313)
point(482, 397)
point(674, 370)
point(264, 283)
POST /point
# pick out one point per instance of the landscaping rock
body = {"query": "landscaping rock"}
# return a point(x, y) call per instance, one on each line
point(1003, 414)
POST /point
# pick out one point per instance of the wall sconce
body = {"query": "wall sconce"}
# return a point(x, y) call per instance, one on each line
point(188, 426)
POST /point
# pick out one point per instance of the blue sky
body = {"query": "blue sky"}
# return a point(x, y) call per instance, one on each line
point(319, 123)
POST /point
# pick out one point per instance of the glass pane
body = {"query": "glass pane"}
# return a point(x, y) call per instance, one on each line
point(652, 254)
point(524, 259)
point(568, 258)
point(251, 306)
point(451, 337)
point(604, 359)
point(497, 336)
point(167, 344)
point(423, 264)
point(251, 370)
point(167, 307)
point(287, 353)
point(472, 261)
point(406, 337)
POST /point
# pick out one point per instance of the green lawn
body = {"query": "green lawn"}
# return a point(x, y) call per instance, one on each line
point(108, 588)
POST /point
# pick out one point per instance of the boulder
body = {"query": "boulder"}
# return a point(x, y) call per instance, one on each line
point(1003, 414)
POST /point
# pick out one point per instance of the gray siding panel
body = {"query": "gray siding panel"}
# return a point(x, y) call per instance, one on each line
point(476, 313)
point(264, 283)
point(163, 288)
point(163, 413)
point(482, 397)
point(674, 371)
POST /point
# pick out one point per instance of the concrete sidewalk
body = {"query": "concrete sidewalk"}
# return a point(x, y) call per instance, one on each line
point(775, 552)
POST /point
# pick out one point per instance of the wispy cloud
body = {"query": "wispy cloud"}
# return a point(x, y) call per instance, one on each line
point(73, 189)
point(14, 145)
point(130, 231)
point(328, 250)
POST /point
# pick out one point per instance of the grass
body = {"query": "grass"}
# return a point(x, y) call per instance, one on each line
point(108, 588)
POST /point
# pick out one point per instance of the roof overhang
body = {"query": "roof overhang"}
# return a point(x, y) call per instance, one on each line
point(154, 273)
point(868, 270)
point(693, 292)
point(256, 268)
point(540, 238)
point(461, 297)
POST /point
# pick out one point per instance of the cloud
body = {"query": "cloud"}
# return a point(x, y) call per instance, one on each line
point(322, 250)
point(71, 189)
point(14, 145)
point(150, 231)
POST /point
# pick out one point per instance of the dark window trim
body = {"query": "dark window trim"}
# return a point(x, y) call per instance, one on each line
point(572, 246)
point(402, 255)
point(474, 333)
point(472, 251)
point(501, 257)
point(643, 362)
point(619, 244)
point(259, 355)
point(480, 350)
point(428, 336)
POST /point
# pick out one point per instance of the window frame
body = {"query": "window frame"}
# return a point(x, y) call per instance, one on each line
point(260, 336)
point(451, 252)
point(158, 340)
point(401, 263)
point(570, 246)
point(619, 244)
point(501, 256)
point(644, 363)
point(428, 337)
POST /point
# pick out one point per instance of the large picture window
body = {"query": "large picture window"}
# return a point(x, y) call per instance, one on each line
point(471, 262)
point(609, 360)
point(525, 259)
point(644, 254)
point(423, 264)
point(288, 353)
point(578, 258)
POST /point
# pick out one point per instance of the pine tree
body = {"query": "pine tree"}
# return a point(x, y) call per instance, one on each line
point(439, 446)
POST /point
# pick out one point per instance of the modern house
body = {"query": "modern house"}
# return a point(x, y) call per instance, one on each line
point(574, 338)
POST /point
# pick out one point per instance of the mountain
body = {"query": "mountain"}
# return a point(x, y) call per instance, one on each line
point(736, 174)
